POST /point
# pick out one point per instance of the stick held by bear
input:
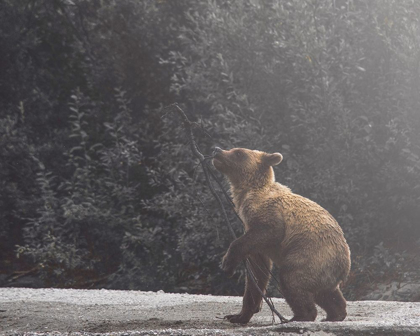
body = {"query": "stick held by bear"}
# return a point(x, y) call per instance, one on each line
point(296, 234)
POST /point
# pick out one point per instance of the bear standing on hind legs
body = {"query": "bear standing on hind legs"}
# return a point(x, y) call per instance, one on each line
point(296, 234)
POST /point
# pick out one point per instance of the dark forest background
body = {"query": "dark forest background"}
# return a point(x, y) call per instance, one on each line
point(97, 190)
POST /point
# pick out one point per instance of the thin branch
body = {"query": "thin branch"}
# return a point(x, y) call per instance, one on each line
point(229, 200)
point(208, 173)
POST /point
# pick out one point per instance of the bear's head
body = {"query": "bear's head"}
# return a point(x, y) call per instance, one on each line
point(246, 168)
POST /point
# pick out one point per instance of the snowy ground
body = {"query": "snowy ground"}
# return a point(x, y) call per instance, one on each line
point(65, 311)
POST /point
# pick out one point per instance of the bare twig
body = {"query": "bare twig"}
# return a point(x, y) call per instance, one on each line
point(208, 173)
point(229, 200)
point(19, 274)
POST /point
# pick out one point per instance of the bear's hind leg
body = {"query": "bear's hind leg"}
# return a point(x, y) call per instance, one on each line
point(300, 300)
point(333, 303)
point(302, 304)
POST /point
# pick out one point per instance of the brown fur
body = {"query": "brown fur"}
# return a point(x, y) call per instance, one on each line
point(300, 237)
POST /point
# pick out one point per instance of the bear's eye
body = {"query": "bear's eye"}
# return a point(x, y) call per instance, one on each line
point(239, 154)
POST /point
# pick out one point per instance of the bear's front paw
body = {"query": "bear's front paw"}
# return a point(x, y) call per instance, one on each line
point(228, 266)
point(238, 318)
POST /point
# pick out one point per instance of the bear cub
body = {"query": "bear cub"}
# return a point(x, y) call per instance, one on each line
point(296, 234)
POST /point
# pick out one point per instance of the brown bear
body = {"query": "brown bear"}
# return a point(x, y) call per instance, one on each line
point(296, 234)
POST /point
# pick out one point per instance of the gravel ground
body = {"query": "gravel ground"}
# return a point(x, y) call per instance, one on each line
point(25, 311)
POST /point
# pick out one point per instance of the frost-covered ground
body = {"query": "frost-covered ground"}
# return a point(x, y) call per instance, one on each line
point(64, 311)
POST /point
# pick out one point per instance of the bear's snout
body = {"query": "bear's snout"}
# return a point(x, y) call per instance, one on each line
point(218, 158)
point(217, 150)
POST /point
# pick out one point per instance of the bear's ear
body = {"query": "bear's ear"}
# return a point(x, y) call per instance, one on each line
point(273, 159)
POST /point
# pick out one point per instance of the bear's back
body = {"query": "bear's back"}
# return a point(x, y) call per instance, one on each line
point(311, 236)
